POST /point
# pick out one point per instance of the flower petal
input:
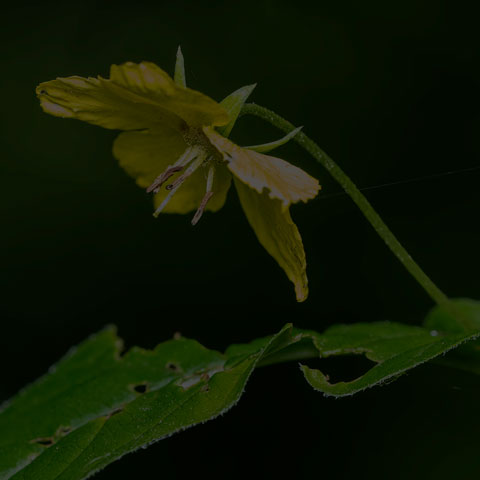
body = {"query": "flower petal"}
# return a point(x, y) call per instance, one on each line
point(99, 101)
point(189, 195)
point(285, 182)
point(137, 96)
point(146, 154)
point(277, 233)
point(148, 80)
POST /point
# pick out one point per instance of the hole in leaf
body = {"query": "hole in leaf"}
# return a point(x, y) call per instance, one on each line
point(140, 388)
point(45, 442)
point(342, 368)
point(173, 367)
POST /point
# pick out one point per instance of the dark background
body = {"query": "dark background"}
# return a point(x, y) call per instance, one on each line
point(389, 89)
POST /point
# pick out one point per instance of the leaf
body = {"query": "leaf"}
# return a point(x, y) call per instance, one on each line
point(89, 410)
point(233, 105)
point(467, 356)
point(395, 347)
point(95, 406)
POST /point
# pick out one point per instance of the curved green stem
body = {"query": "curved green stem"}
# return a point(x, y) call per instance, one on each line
point(362, 203)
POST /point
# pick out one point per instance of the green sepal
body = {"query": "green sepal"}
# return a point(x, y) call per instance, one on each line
point(267, 147)
point(233, 105)
point(179, 74)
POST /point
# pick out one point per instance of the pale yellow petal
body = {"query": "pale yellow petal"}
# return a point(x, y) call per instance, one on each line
point(137, 96)
point(189, 195)
point(277, 233)
point(148, 80)
point(100, 102)
point(282, 180)
point(145, 155)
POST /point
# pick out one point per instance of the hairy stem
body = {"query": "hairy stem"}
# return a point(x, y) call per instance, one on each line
point(362, 203)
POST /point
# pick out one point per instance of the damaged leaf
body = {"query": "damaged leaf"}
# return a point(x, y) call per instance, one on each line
point(95, 406)
point(396, 347)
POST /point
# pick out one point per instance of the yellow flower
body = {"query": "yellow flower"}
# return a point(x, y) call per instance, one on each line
point(171, 147)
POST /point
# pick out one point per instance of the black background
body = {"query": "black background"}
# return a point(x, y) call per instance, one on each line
point(389, 89)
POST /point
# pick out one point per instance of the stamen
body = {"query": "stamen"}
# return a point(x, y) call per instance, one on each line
point(162, 178)
point(211, 173)
point(191, 168)
point(189, 154)
point(162, 205)
point(208, 195)
point(176, 182)
point(201, 208)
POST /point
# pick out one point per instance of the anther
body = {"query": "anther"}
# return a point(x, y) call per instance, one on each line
point(178, 182)
point(162, 178)
point(208, 195)
point(191, 168)
point(201, 208)
point(188, 155)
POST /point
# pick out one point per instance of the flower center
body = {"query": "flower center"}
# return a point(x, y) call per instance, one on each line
point(199, 152)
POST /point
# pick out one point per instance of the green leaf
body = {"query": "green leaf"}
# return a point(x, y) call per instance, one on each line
point(95, 405)
point(467, 356)
point(89, 410)
point(443, 321)
point(233, 105)
point(267, 147)
point(179, 76)
point(395, 347)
